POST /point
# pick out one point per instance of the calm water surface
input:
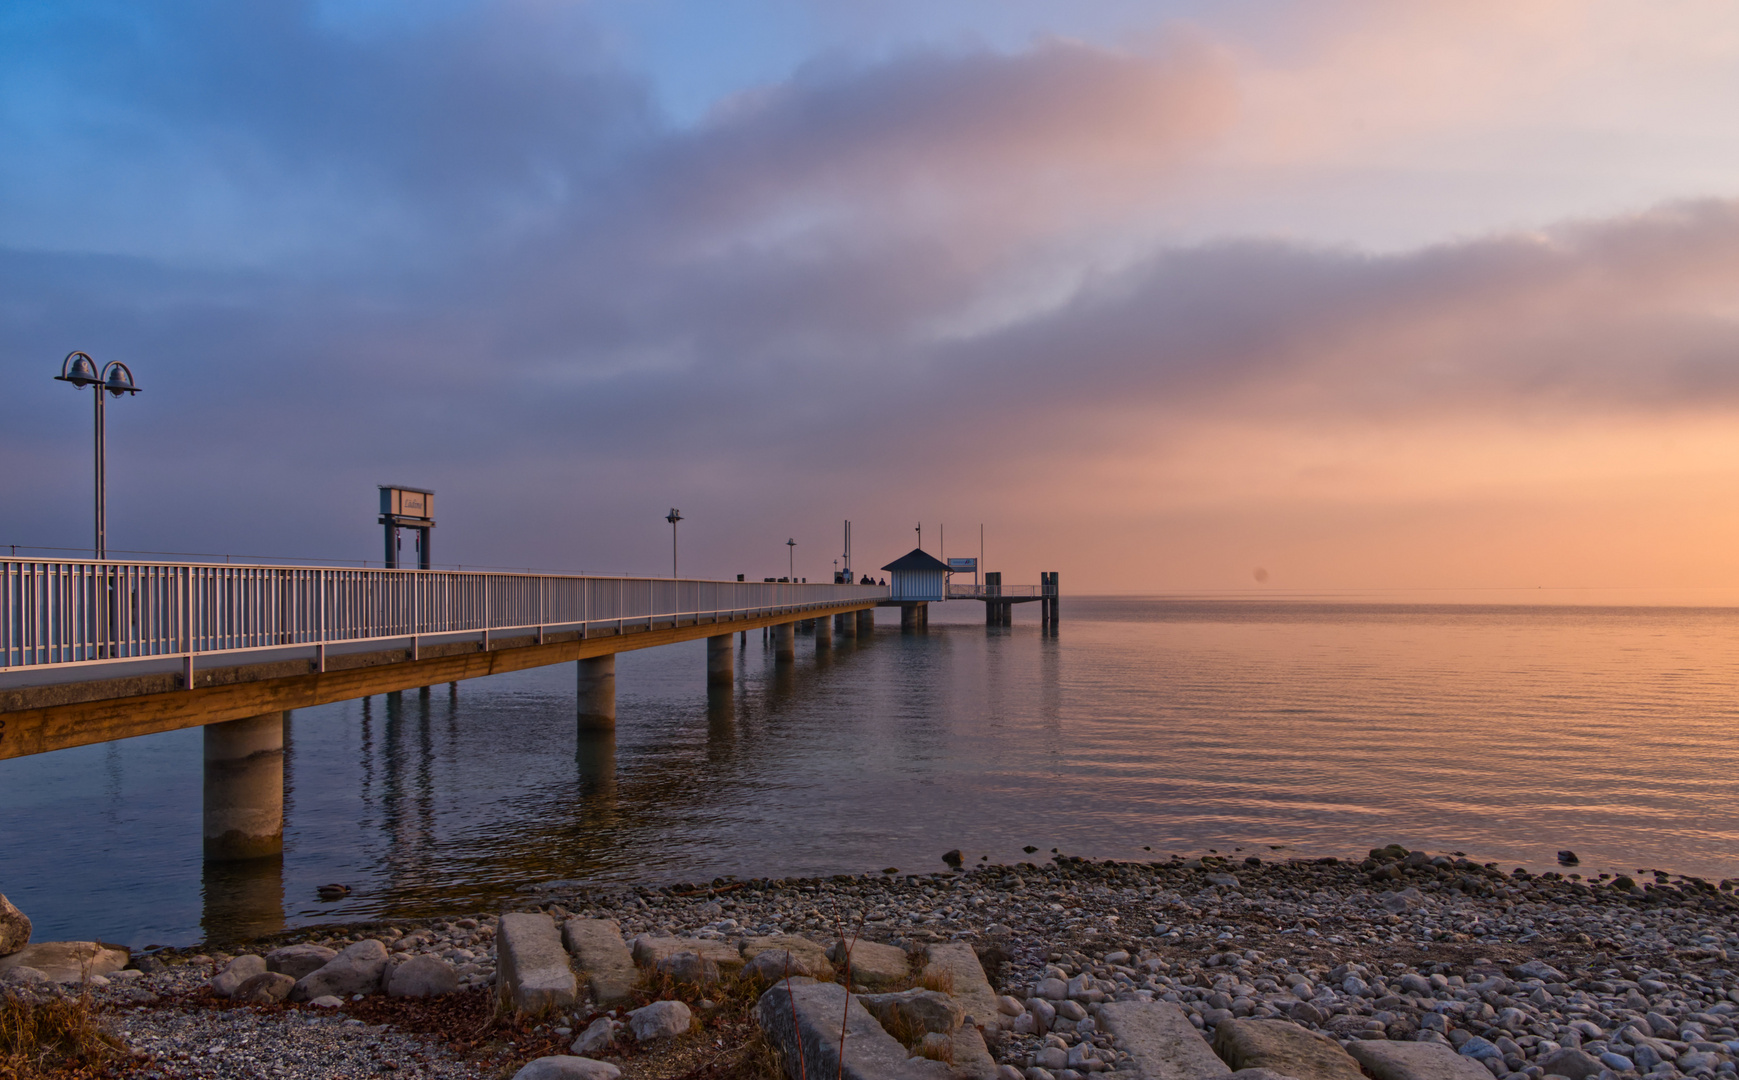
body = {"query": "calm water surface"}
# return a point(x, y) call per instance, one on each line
point(1503, 732)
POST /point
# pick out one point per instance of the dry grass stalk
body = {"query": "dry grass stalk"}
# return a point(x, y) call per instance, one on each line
point(940, 981)
point(936, 1048)
point(55, 1037)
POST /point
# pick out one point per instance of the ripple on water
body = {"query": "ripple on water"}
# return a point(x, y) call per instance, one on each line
point(1507, 733)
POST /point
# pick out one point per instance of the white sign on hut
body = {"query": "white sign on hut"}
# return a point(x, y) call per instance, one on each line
point(917, 575)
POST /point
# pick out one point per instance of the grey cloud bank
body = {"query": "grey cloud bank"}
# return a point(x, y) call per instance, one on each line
point(471, 255)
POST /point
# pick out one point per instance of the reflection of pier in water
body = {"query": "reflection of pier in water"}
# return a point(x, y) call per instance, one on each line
point(405, 740)
point(97, 651)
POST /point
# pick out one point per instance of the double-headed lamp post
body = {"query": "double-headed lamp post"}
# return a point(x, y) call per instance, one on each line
point(673, 517)
point(80, 370)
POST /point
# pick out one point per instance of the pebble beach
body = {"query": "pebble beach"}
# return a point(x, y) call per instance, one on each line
point(1528, 974)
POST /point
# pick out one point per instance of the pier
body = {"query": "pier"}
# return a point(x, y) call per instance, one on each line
point(99, 650)
point(93, 651)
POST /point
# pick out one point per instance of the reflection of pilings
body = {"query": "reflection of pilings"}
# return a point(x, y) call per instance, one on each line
point(595, 756)
point(392, 788)
point(597, 693)
point(720, 660)
point(721, 716)
point(242, 900)
point(785, 642)
point(426, 766)
point(244, 788)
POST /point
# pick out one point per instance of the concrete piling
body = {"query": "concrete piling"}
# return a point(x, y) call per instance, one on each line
point(845, 626)
point(914, 617)
point(866, 622)
point(244, 788)
point(785, 642)
point(824, 632)
point(597, 693)
point(720, 660)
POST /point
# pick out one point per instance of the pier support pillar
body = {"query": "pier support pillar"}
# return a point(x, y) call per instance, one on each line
point(866, 623)
point(824, 632)
point(597, 686)
point(915, 616)
point(785, 642)
point(244, 788)
point(845, 626)
point(720, 660)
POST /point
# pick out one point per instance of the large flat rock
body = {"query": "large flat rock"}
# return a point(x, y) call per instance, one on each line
point(805, 1020)
point(972, 1059)
point(955, 962)
point(911, 1012)
point(604, 959)
point(1414, 1061)
point(67, 961)
point(1284, 1047)
point(1160, 1040)
point(649, 950)
point(531, 966)
point(872, 963)
point(813, 954)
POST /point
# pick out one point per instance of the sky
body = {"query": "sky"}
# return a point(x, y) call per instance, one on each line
point(1325, 297)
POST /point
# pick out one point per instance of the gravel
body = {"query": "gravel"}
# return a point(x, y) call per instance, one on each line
point(1399, 945)
point(248, 1043)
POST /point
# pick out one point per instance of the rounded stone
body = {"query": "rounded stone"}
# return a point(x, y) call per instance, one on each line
point(563, 1067)
point(14, 927)
point(266, 988)
point(423, 976)
point(660, 1020)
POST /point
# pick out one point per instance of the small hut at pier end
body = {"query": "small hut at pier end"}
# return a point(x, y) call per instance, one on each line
point(917, 576)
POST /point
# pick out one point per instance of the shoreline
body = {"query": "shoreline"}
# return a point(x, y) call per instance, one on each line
point(1398, 946)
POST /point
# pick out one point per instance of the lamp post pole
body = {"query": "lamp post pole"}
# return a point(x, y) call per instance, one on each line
point(79, 369)
point(101, 457)
point(673, 517)
point(791, 570)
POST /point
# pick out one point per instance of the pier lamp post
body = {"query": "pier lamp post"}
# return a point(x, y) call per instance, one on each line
point(791, 550)
point(673, 517)
point(79, 369)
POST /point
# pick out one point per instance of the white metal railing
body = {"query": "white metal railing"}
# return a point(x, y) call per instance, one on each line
point(980, 592)
point(65, 612)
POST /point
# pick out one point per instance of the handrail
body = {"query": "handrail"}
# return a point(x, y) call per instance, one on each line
point(55, 612)
point(982, 592)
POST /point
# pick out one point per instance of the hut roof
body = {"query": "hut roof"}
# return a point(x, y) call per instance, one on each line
point(916, 559)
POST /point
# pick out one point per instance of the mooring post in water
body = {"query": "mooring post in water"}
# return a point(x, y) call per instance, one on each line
point(244, 788)
point(785, 642)
point(824, 632)
point(720, 660)
point(597, 697)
